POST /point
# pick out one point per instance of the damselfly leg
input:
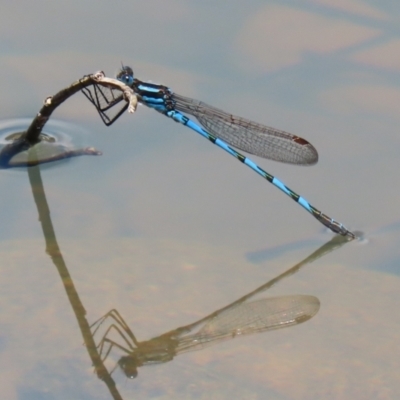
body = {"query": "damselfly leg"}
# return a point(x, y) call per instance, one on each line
point(120, 327)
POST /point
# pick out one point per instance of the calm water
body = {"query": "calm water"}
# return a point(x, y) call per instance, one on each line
point(166, 229)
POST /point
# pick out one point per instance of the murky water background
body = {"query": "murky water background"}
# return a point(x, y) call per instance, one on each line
point(166, 228)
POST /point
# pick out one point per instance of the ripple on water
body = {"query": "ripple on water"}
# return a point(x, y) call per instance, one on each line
point(56, 145)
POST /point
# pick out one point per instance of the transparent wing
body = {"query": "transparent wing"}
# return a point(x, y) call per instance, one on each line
point(254, 138)
point(253, 317)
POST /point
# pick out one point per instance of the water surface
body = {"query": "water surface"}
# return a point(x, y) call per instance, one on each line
point(166, 228)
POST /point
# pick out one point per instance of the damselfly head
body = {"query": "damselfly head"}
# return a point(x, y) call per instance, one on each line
point(128, 364)
point(125, 75)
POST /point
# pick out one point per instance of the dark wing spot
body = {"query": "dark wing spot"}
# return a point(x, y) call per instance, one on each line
point(300, 140)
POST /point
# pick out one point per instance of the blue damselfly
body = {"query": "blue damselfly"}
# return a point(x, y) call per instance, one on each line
point(222, 129)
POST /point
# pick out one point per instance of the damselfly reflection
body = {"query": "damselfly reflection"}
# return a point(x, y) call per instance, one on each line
point(237, 319)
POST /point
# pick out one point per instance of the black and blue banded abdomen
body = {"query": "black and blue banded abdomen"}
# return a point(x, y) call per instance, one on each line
point(154, 96)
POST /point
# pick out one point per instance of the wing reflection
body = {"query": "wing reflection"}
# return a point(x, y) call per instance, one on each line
point(237, 319)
